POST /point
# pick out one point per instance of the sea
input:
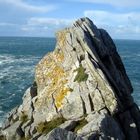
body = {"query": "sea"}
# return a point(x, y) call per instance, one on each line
point(19, 55)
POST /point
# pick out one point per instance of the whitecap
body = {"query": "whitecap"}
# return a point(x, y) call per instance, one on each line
point(6, 59)
point(9, 59)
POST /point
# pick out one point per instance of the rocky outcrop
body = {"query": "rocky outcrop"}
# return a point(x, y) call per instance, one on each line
point(81, 92)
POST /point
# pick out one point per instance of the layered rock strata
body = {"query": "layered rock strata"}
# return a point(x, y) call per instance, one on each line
point(81, 92)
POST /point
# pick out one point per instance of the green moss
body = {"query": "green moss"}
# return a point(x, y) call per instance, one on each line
point(81, 75)
point(80, 124)
point(46, 127)
point(23, 118)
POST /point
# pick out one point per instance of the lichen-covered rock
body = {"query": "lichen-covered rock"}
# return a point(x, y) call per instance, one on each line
point(81, 91)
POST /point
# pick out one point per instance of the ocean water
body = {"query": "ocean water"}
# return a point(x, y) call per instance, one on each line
point(129, 51)
point(19, 55)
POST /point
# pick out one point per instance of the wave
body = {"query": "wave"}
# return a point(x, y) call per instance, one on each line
point(13, 65)
point(15, 71)
point(9, 59)
point(6, 58)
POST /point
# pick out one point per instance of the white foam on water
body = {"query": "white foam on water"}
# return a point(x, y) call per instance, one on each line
point(15, 70)
point(9, 59)
point(13, 66)
point(6, 59)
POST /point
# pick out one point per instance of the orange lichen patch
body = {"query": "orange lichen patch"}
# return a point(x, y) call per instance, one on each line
point(48, 67)
point(54, 76)
point(60, 96)
point(57, 78)
point(42, 67)
point(52, 79)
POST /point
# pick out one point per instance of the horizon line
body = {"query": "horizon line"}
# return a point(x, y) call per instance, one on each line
point(55, 37)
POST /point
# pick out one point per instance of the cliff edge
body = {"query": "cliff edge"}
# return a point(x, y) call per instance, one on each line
point(81, 92)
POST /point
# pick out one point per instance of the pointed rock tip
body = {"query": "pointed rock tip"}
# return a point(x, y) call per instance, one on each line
point(84, 19)
point(77, 23)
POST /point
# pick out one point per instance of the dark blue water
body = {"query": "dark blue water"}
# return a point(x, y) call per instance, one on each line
point(129, 51)
point(19, 55)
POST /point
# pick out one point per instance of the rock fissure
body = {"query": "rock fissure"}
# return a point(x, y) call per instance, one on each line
point(91, 103)
point(83, 105)
point(101, 95)
point(54, 102)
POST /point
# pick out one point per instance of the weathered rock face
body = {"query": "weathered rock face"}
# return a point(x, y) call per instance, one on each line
point(81, 91)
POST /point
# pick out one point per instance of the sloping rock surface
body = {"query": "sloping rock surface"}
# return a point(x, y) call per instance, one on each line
point(81, 92)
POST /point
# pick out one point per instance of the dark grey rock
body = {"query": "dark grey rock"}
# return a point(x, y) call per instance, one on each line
point(60, 134)
point(69, 125)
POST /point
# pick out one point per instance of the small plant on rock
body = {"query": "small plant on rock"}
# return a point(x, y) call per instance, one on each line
point(46, 127)
point(23, 118)
point(81, 75)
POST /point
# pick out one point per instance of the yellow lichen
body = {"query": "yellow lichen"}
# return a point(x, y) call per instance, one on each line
point(59, 56)
point(61, 36)
point(58, 81)
point(46, 66)
point(53, 77)
point(60, 96)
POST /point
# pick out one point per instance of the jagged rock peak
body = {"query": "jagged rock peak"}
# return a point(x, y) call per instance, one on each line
point(81, 91)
